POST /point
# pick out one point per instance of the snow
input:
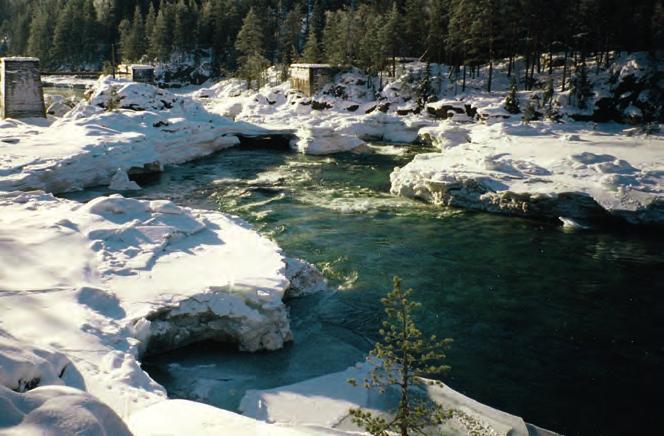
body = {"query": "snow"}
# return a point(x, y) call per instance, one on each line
point(543, 170)
point(52, 410)
point(87, 289)
point(88, 145)
point(104, 282)
point(324, 403)
point(182, 417)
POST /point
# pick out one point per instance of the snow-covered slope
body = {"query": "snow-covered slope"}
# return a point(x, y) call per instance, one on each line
point(86, 289)
point(124, 125)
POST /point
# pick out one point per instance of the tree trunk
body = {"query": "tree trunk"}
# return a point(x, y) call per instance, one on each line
point(527, 69)
point(550, 62)
point(488, 88)
point(509, 66)
point(463, 84)
point(562, 87)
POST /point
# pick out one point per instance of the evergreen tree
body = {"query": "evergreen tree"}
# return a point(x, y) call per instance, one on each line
point(161, 37)
point(311, 53)
point(249, 43)
point(411, 28)
point(184, 26)
point(581, 88)
point(436, 30)
point(512, 99)
point(62, 52)
point(40, 36)
point(150, 21)
point(401, 358)
point(334, 42)
point(317, 19)
point(391, 37)
point(133, 41)
point(126, 50)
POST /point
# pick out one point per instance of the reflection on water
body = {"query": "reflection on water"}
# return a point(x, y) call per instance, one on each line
point(562, 328)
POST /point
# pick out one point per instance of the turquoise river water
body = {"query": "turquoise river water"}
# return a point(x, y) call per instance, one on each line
point(564, 328)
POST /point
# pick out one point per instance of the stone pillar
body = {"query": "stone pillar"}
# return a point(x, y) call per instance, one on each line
point(142, 73)
point(21, 93)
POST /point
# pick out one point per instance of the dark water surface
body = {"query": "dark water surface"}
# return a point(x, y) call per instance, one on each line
point(563, 328)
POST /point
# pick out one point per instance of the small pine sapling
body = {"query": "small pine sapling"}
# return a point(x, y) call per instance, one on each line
point(530, 112)
point(424, 87)
point(512, 99)
point(400, 359)
point(113, 99)
point(581, 87)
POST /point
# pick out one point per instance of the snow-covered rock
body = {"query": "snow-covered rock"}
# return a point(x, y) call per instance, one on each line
point(527, 170)
point(120, 182)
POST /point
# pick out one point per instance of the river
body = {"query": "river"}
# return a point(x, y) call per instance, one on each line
point(561, 327)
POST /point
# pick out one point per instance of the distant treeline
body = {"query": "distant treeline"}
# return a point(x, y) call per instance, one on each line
point(250, 34)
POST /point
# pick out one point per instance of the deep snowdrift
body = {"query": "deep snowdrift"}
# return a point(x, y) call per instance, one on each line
point(88, 288)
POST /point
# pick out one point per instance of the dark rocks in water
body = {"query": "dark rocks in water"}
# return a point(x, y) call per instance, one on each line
point(442, 112)
point(320, 105)
point(383, 107)
point(371, 109)
point(470, 110)
point(403, 112)
point(353, 107)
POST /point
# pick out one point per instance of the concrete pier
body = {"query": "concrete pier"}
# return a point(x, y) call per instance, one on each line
point(310, 78)
point(21, 93)
point(142, 73)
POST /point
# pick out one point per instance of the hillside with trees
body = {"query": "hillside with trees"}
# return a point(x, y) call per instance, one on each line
point(243, 35)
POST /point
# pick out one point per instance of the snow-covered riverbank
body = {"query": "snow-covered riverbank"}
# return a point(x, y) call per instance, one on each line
point(88, 288)
point(577, 171)
point(489, 159)
point(124, 126)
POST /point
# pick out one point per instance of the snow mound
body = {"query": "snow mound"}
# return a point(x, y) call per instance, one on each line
point(52, 410)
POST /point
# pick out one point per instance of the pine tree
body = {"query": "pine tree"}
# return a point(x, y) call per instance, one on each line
point(334, 43)
point(530, 112)
point(548, 93)
point(411, 28)
point(137, 44)
point(311, 53)
point(512, 99)
point(391, 36)
point(581, 88)
point(124, 31)
point(249, 43)
point(400, 359)
point(64, 27)
point(41, 35)
point(150, 21)
point(184, 26)
point(436, 30)
point(160, 41)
